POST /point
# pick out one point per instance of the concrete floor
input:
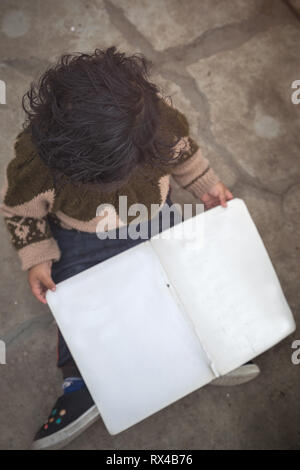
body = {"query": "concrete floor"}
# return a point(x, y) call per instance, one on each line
point(229, 66)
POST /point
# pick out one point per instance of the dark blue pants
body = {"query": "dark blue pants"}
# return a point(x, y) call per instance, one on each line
point(82, 250)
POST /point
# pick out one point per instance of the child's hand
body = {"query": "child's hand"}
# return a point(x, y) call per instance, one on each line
point(40, 280)
point(218, 194)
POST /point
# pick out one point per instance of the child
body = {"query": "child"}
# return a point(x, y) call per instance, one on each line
point(96, 129)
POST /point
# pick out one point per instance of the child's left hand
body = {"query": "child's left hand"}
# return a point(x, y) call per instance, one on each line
point(218, 194)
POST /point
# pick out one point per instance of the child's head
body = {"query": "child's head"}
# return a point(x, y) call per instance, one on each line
point(95, 117)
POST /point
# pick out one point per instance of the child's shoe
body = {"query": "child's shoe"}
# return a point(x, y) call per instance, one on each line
point(238, 376)
point(72, 413)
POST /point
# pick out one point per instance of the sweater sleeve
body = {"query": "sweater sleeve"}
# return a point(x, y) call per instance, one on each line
point(192, 171)
point(27, 198)
point(195, 173)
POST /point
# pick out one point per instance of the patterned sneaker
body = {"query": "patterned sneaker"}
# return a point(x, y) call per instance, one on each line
point(72, 413)
point(238, 376)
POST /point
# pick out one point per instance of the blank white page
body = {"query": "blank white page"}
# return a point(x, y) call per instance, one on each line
point(225, 279)
point(135, 348)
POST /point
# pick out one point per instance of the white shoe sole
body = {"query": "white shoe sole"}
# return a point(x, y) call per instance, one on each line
point(63, 437)
point(238, 376)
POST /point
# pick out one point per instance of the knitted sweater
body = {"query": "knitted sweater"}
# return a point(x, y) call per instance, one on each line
point(30, 196)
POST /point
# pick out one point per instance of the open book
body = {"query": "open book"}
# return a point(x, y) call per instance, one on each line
point(164, 318)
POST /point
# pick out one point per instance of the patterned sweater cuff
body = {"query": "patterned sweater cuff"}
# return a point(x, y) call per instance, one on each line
point(195, 174)
point(39, 252)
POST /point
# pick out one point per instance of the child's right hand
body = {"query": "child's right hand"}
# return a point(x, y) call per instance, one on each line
point(40, 280)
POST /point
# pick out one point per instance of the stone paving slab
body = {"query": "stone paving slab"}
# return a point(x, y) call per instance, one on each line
point(169, 23)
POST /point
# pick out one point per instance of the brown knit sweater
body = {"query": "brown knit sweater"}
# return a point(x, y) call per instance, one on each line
point(30, 195)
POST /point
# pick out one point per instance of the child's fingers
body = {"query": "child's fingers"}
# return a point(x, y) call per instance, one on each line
point(224, 196)
point(47, 281)
point(229, 194)
point(223, 199)
point(211, 203)
point(39, 286)
point(38, 291)
point(208, 200)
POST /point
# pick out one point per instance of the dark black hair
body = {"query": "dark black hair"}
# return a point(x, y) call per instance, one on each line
point(95, 117)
